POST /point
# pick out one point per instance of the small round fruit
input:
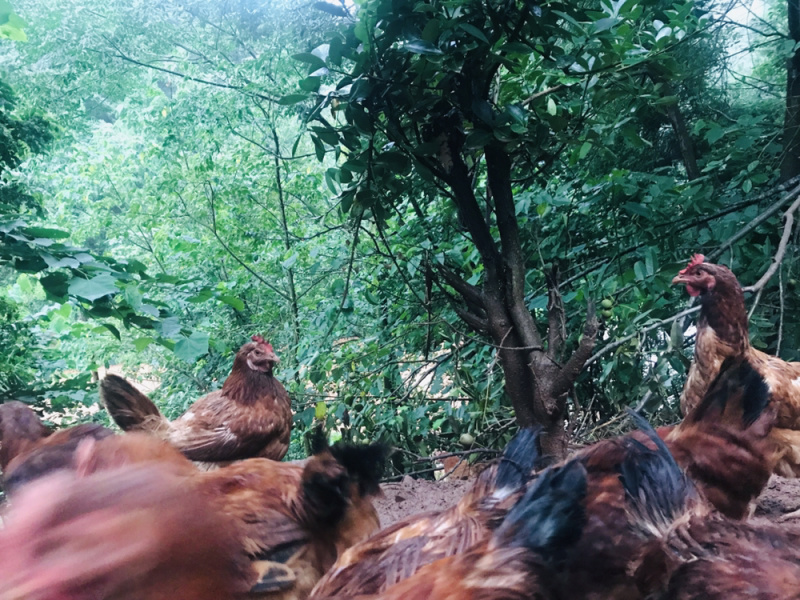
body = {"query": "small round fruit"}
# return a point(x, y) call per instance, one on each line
point(791, 284)
point(607, 313)
point(607, 303)
point(466, 440)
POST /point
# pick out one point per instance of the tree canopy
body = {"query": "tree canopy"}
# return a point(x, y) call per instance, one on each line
point(448, 216)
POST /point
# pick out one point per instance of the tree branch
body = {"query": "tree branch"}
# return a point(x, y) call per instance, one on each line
point(121, 55)
point(469, 292)
point(459, 180)
point(556, 330)
point(781, 252)
point(498, 169)
point(775, 207)
point(579, 359)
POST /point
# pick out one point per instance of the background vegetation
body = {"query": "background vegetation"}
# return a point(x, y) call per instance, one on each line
point(178, 175)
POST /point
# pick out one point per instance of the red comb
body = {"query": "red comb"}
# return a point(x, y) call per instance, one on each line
point(260, 340)
point(697, 259)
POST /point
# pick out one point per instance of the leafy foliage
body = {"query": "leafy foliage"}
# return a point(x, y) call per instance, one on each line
point(214, 170)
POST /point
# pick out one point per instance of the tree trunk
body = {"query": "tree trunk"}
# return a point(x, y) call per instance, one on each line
point(536, 380)
point(790, 162)
point(678, 127)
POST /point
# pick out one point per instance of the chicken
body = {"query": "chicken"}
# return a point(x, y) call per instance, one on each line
point(251, 416)
point(722, 447)
point(291, 521)
point(399, 551)
point(127, 534)
point(29, 450)
point(520, 559)
point(690, 551)
point(722, 332)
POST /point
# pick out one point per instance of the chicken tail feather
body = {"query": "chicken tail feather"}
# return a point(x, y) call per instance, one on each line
point(364, 464)
point(656, 488)
point(550, 517)
point(129, 407)
point(519, 460)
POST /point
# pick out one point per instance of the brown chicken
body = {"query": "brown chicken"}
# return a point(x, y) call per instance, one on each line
point(520, 559)
point(128, 534)
point(722, 332)
point(29, 450)
point(690, 551)
point(728, 464)
point(251, 416)
point(291, 521)
point(399, 551)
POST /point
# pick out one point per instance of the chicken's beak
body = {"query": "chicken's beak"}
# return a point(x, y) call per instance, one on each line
point(679, 279)
point(273, 358)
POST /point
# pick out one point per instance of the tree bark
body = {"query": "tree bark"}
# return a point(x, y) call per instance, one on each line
point(790, 161)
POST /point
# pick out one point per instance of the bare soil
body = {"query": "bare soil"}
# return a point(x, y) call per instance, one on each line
point(413, 496)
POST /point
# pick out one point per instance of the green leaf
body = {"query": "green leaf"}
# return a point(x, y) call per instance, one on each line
point(142, 343)
point(551, 107)
point(421, 47)
point(604, 24)
point(94, 288)
point(46, 232)
point(169, 327)
point(639, 270)
point(310, 84)
point(312, 59)
point(290, 262)
point(191, 348)
point(474, 31)
point(585, 149)
point(291, 99)
point(114, 331)
point(232, 301)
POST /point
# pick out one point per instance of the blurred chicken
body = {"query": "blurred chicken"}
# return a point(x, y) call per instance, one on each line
point(399, 551)
point(291, 521)
point(722, 445)
point(128, 534)
point(251, 416)
point(691, 551)
point(29, 450)
point(722, 332)
point(521, 557)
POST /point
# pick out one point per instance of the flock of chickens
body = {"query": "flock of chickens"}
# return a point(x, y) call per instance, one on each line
point(201, 508)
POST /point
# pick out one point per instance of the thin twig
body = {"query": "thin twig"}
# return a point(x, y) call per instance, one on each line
point(627, 338)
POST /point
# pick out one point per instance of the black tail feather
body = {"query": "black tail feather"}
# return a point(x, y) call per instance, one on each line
point(656, 488)
point(550, 517)
point(737, 382)
point(519, 459)
point(364, 463)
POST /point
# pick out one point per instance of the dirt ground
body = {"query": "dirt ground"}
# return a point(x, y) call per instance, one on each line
point(412, 496)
